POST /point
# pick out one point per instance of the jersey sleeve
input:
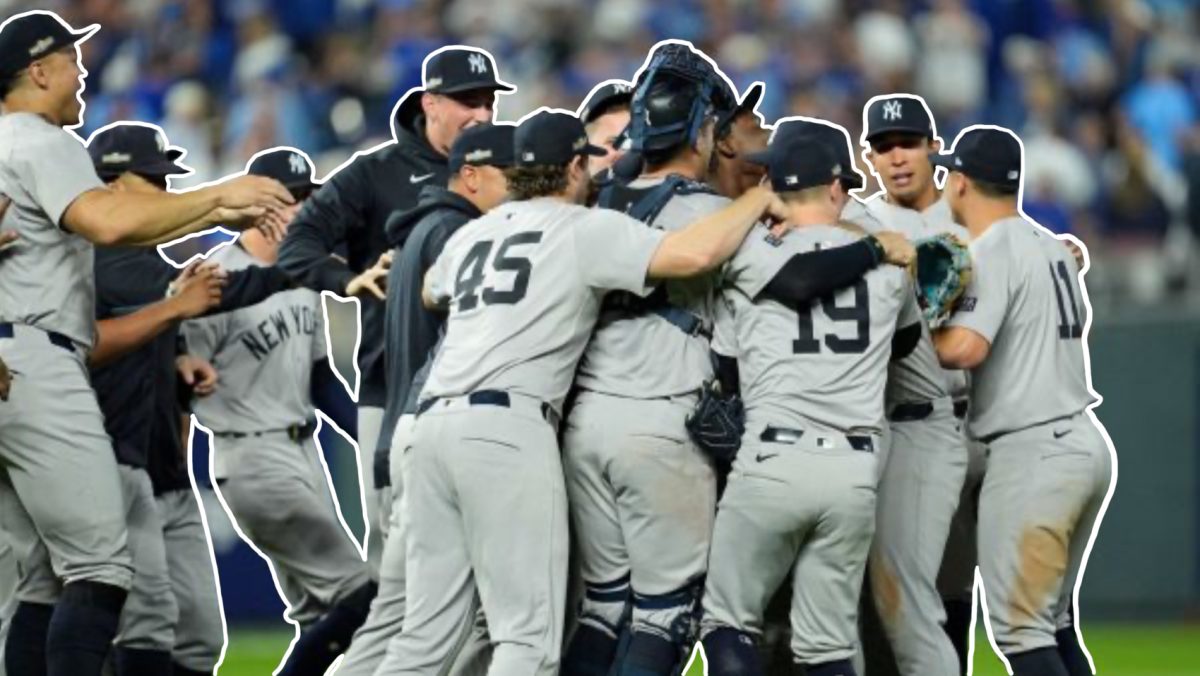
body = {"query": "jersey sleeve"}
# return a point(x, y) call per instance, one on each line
point(203, 337)
point(438, 277)
point(56, 170)
point(613, 251)
point(985, 302)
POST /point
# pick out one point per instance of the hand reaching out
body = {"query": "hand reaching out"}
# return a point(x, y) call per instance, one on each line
point(197, 289)
point(373, 279)
point(197, 373)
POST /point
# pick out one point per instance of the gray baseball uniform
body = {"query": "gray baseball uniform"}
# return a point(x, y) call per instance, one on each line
point(484, 490)
point(801, 496)
point(1049, 466)
point(8, 588)
point(58, 476)
point(922, 477)
point(199, 638)
point(265, 457)
point(642, 495)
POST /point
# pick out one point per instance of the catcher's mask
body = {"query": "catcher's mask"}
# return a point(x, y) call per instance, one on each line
point(674, 96)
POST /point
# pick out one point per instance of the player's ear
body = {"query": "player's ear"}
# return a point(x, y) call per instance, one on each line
point(428, 104)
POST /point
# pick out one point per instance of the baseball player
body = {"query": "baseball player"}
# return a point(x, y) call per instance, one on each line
point(642, 494)
point(484, 489)
point(352, 208)
point(923, 478)
point(605, 116)
point(60, 495)
point(1019, 328)
point(477, 185)
point(801, 497)
point(172, 613)
point(740, 132)
point(265, 458)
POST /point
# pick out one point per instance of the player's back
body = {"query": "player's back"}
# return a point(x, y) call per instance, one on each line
point(640, 354)
point(264, 354)
point(824, 365)
point(1035, 371)
point(524, 284)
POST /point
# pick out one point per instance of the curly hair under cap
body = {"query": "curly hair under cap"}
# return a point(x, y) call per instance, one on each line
point(541, 180)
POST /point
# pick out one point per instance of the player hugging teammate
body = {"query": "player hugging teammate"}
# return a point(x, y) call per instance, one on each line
point(762, 408)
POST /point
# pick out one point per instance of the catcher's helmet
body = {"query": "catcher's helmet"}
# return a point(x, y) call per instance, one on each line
point(676, 93)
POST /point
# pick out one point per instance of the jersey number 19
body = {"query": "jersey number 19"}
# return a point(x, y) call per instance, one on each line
point(471, 273)
point(859, 313)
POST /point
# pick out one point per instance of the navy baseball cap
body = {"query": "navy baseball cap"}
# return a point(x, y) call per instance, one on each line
point(289, 166)
point(450, 71)
point(483, 145)
point(461, 69)
point(27, 37)
point(835, 139)
point(798, 163)
point(991, 155)
point(899, 113)
point(748, 103)
point(136, 148)
point(605, 97)
point(550, 137)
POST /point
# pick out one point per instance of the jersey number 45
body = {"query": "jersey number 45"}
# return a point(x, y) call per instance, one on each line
point(471, 273)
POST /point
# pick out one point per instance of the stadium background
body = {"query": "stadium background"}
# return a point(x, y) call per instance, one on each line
point(1104, 93)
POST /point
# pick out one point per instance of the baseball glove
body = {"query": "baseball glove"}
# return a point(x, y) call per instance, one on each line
point(943, 273)
point(717, 423)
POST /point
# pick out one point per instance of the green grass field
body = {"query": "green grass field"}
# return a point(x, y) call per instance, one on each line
point(1119, 650)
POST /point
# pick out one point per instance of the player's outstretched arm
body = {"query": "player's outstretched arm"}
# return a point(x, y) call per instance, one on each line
point(710, 241)
point(108, 217)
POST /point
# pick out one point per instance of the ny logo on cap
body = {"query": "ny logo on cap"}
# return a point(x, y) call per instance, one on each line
point(892, 110)
point(478, 63)
point(621, 88)
point(297, 163)
point(41, 46)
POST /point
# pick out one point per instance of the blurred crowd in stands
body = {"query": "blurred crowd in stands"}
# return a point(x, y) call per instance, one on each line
point(1105, 93)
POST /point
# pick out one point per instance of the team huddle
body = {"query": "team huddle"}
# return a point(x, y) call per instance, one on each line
point(632, 378)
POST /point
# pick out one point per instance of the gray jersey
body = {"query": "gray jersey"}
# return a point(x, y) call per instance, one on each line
point(1024, 298)
point(46, 279)
point(264, 355)
point(524, 285)
point(918, 377)
point(645, 356)
point(822, 365)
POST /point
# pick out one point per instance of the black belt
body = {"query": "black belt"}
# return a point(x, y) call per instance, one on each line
point(294, 432)
point(490, 398)
point(784, 435)
point(7, 330)
point(913, 412)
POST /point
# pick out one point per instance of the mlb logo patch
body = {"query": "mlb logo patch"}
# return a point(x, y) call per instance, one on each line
point(967, 304)
point(772, 239)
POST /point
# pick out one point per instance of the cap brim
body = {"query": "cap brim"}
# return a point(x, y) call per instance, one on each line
point(874, 134)
point(163, 168)
point(762, 157)
point(497, 86)
point(946, 161)
point(593, 150)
